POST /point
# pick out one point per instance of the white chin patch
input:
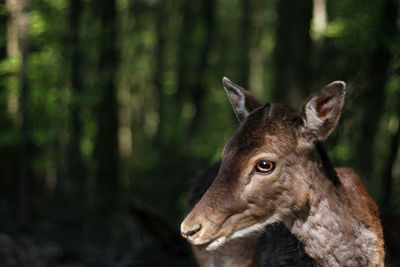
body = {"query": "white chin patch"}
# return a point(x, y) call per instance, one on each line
point(217, 243)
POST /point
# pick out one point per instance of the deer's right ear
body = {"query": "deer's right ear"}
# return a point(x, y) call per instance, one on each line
point(321, 112)
point(243, 102)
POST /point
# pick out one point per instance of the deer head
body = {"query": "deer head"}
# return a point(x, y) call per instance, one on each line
point(264, 175)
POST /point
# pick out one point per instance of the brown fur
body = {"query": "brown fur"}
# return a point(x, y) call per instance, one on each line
point(274, 247)
point(364, 208)
point(331, 214)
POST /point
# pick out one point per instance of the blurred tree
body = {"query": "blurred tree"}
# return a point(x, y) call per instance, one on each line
point(18, 47)
point(159, 71)
point(199, 88)
point(387, 174)
point(23, 185)
point(106, 153)
point(293, 52)
point(376, 75)
point(3, 29)
point(6, 124)
point(245, 42)
point(71, 185)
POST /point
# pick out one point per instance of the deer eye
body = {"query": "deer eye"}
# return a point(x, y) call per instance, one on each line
point(265, 166)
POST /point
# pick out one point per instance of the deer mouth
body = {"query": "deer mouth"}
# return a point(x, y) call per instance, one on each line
point(208, 245)
point(243, 232)
point(215, 244)
point(221, 241)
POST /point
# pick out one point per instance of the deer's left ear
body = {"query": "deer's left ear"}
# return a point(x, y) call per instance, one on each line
point(321, 111)
point(243, 102)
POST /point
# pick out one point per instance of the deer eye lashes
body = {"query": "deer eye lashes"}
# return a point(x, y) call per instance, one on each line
point(265, 166)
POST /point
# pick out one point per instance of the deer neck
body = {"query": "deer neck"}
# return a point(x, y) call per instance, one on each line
point(331, 233)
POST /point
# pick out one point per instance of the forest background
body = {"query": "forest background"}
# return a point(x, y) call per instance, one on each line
point(110, 108)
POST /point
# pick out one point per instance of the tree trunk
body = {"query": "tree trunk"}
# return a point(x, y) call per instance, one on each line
point(186, 45)
point(376, 76)
point(158, 72)
point(18, 44)
point(3, 33)
point(200, 81)
point(106, 149)
point(75, 170)
point(292, 52)
point(187, 56)
point(25, 163)
point(387, 179)
point(244, 49)
point(394, 144)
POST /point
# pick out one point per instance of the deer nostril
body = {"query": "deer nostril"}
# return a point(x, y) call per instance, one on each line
point(192, 231)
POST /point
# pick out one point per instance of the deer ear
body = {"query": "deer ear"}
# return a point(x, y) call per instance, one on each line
point(321, 111)
point(243, 102)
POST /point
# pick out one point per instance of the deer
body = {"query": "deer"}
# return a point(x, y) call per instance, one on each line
point(274, 170)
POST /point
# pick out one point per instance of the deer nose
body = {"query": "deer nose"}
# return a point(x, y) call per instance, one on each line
point(189, 233)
